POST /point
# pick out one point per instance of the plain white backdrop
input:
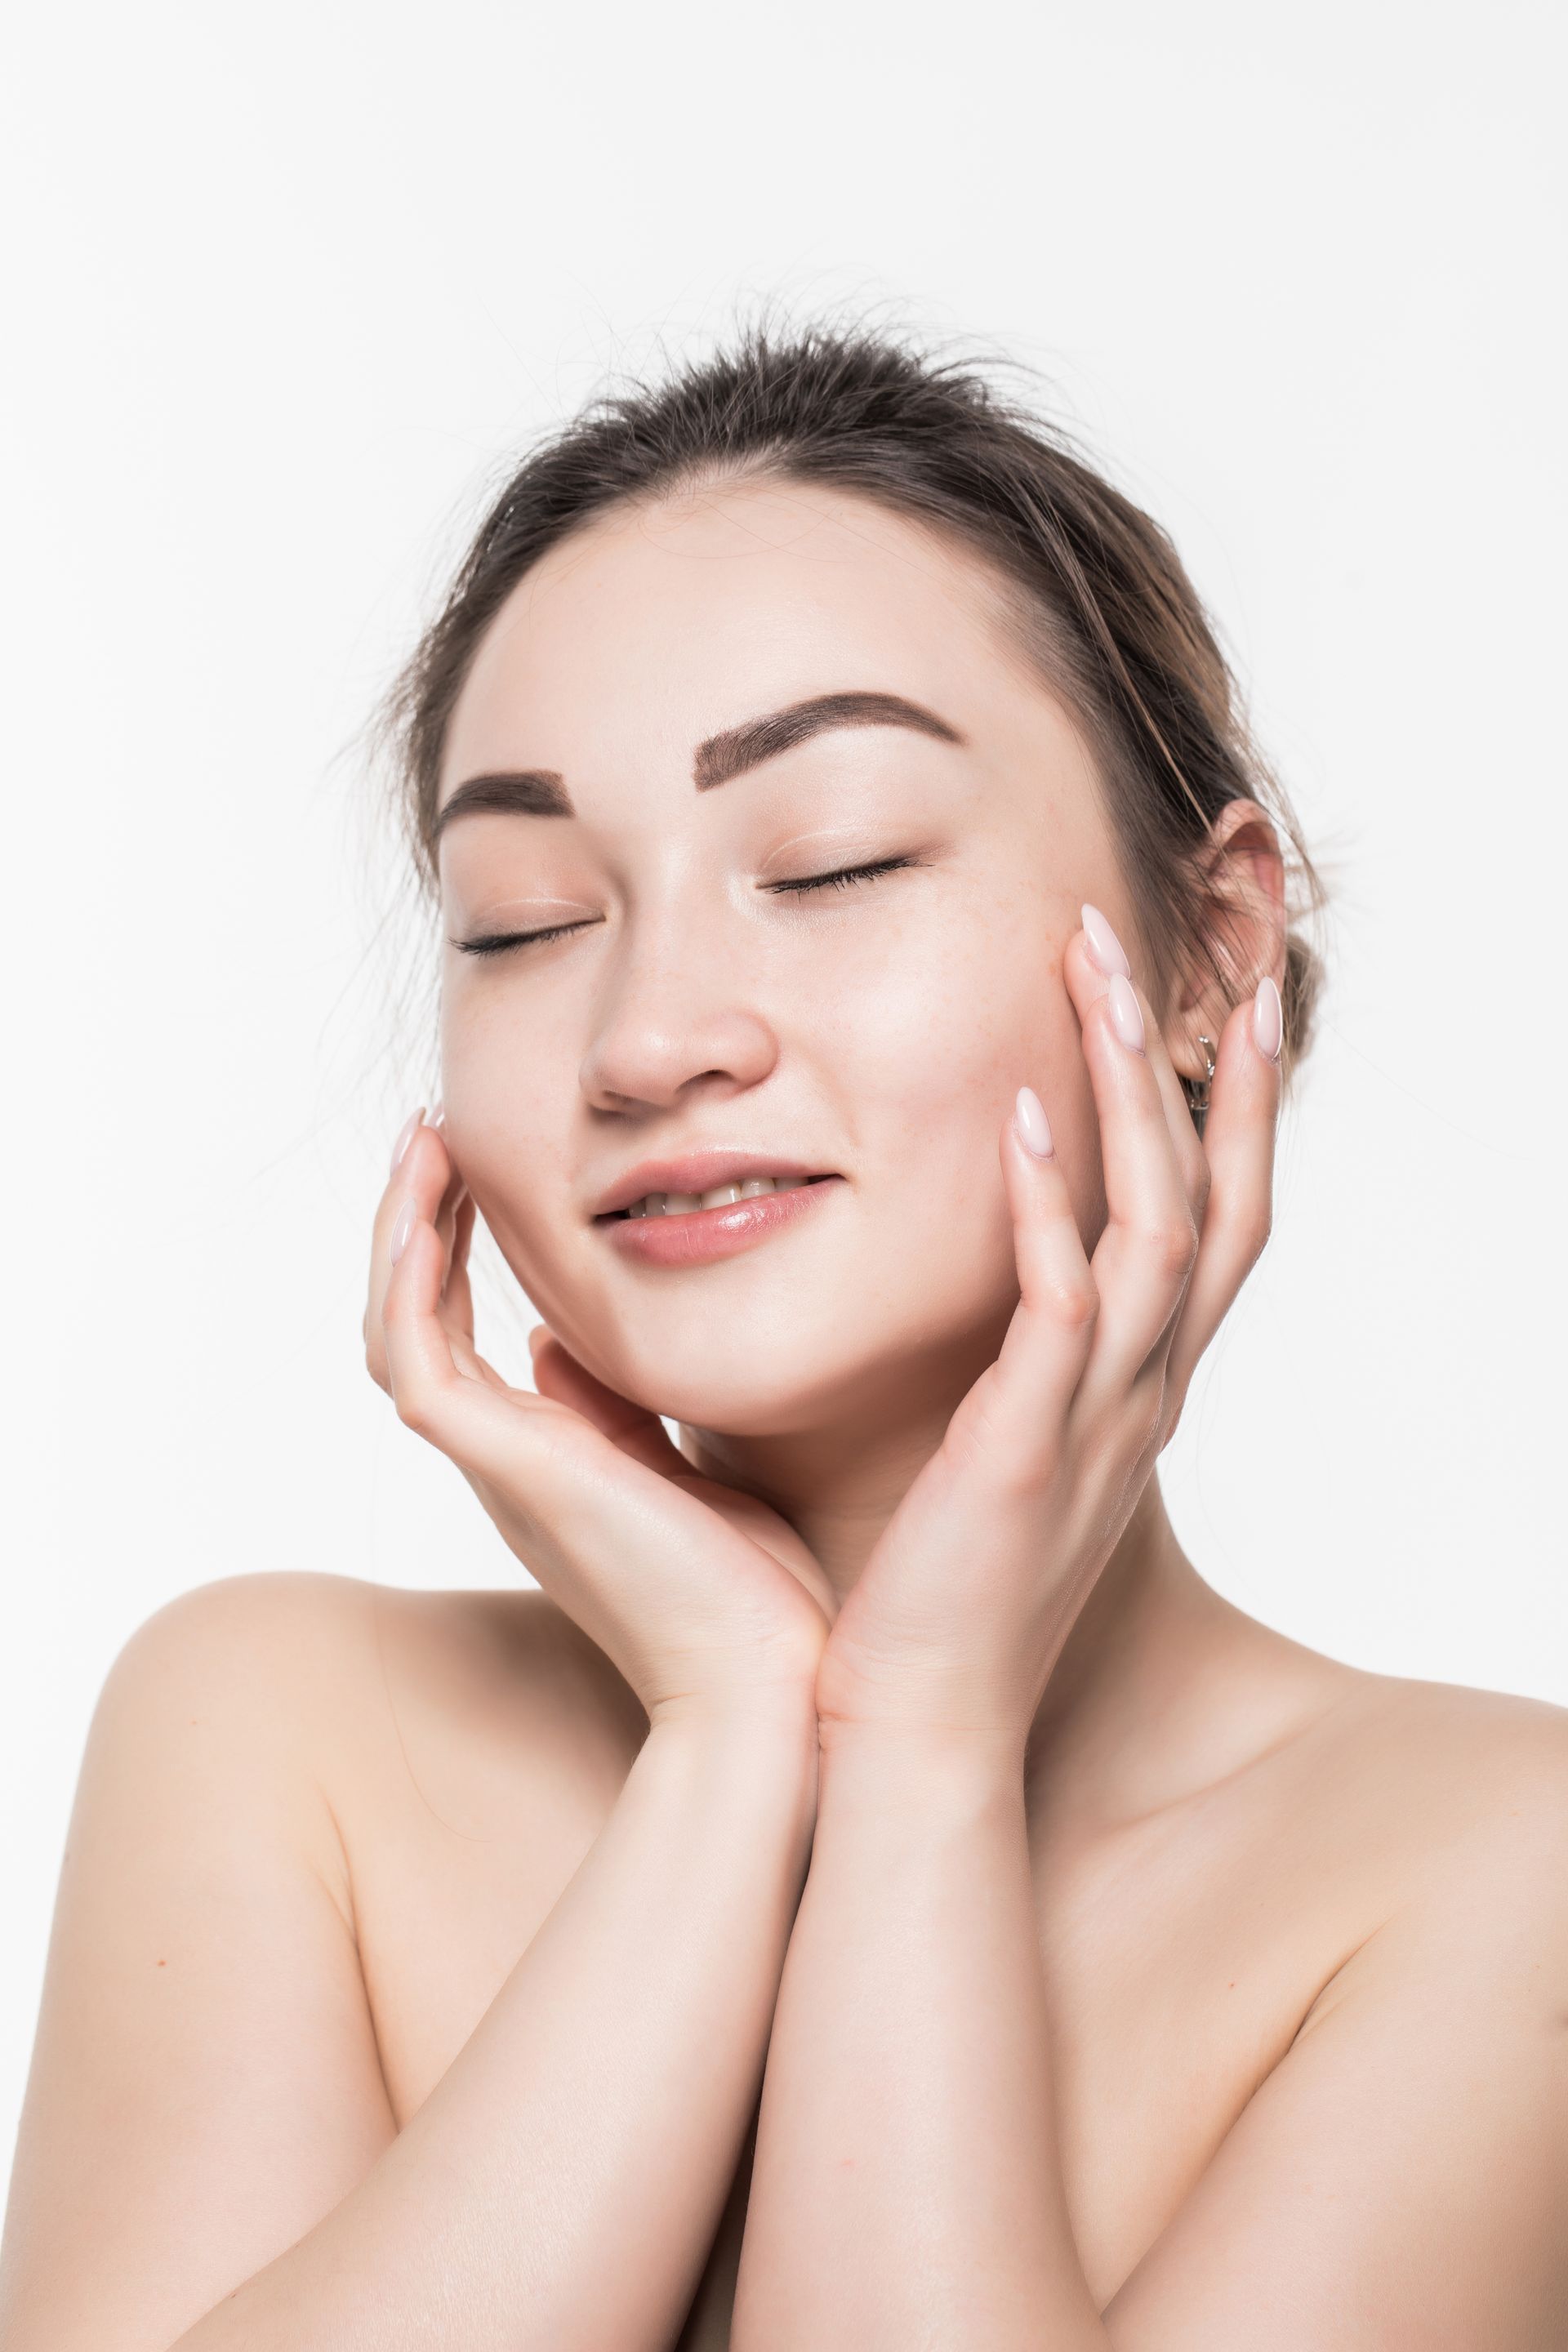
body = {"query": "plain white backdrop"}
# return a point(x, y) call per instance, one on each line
point(286, 288)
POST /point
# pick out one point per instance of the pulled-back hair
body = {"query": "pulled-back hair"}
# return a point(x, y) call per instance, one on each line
point(1097, 593)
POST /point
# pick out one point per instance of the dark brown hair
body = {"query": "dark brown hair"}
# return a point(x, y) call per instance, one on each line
point(1095, 590)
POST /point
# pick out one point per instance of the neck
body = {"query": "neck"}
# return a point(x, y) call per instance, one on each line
point(1122, 1714)
point(836, 1488)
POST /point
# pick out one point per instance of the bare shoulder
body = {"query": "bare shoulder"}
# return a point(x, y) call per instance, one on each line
point(1451, 1804)
point(310, 1635)
point(249, 1675)
point(1401, 2152)
point(205, 2081)
point(353, 1667)
point(1469, 1758)
point(365, 1697)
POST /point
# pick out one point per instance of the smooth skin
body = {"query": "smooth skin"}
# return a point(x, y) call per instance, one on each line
point(1123, 1973)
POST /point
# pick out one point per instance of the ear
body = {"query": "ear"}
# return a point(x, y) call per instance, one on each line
point(1244, 931)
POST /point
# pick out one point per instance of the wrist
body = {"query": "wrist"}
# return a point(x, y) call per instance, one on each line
point(775, 1731)
point(776, 1712)
point(744, 1787)
point(978, 1755)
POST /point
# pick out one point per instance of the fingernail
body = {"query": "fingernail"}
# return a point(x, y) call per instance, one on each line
point(439, 1116)
point(406, 1217)
point(1033, 1125)
point(1126, 1018)
point(1103, 944)
point(406, 1134)
point(1267, 1019)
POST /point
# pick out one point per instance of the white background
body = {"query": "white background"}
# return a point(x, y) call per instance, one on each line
point(286, 285)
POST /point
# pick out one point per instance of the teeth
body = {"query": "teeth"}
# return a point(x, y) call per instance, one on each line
point(717, 1196)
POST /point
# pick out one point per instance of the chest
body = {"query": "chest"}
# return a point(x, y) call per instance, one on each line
point(1176, 1968)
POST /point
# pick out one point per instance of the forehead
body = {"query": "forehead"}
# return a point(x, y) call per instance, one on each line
point(656, 625)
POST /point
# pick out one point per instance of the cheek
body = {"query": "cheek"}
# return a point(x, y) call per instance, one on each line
point(943, 1030)
point(931, 1049)
point(942, 1043)
point(504, 1125)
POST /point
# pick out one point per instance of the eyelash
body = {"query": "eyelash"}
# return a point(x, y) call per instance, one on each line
point(843, 877)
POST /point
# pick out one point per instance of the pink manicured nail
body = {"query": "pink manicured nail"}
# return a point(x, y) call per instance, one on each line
point(439, 1116)
point(1125, 1016)
point(406, 1134)
point(406, 1218)
point(1033, 1125)
point(1267, 1019)
point(1103, 944)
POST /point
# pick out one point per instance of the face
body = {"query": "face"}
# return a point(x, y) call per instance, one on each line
point(690, 1000)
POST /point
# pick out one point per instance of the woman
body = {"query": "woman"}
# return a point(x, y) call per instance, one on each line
point(870, 978)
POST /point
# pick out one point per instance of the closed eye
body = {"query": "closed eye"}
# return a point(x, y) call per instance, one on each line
point(844, 876)
point(500, 941)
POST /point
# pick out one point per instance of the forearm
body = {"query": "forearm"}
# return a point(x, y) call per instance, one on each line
point(559, 2186)
point(906, 2186)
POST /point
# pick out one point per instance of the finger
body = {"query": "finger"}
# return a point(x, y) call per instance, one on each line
point(446, 1218)
point(1146, 1252)
point(1191, 1156)
point(456, 1309)
point(459, 1293)
point(1185, 1137)
point(1020, 1404)
point(423, 1376)
point(385, 1212)
point(424, 1172)
point(1239, 1139)
point(638, 1432)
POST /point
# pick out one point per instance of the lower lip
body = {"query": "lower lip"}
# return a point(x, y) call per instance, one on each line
point(699, 1236)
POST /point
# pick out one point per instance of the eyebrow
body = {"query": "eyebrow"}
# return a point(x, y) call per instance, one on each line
point(731, 753)
point(541, 791)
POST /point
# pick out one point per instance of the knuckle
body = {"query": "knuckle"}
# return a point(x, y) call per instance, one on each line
point(415, 1409)
point(1247, 1238)
point(1023, 1486)
point(1071, 1300)
point(1022, 1470)
point(1173, 1244)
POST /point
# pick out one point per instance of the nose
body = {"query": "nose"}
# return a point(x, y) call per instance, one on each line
point(675, 1021)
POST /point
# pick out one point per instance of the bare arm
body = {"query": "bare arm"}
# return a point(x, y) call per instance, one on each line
point(908, 2185)
point(207, 2147)
point(1400, 2177)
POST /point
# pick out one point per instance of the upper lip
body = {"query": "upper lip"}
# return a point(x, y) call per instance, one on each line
point(699, 1171)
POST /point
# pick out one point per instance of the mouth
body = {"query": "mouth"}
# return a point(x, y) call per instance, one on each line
point(714, 1175)
point(689, 1229)
point(717, 1196)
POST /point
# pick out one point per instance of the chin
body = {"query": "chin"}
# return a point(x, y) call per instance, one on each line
point(796, 1383)
point(736, 1390)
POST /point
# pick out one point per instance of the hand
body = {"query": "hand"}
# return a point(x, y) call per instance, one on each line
point(705, 1601)
point(969, 1593)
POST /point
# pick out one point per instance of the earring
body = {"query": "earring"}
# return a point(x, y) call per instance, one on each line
point(1198, 1089)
